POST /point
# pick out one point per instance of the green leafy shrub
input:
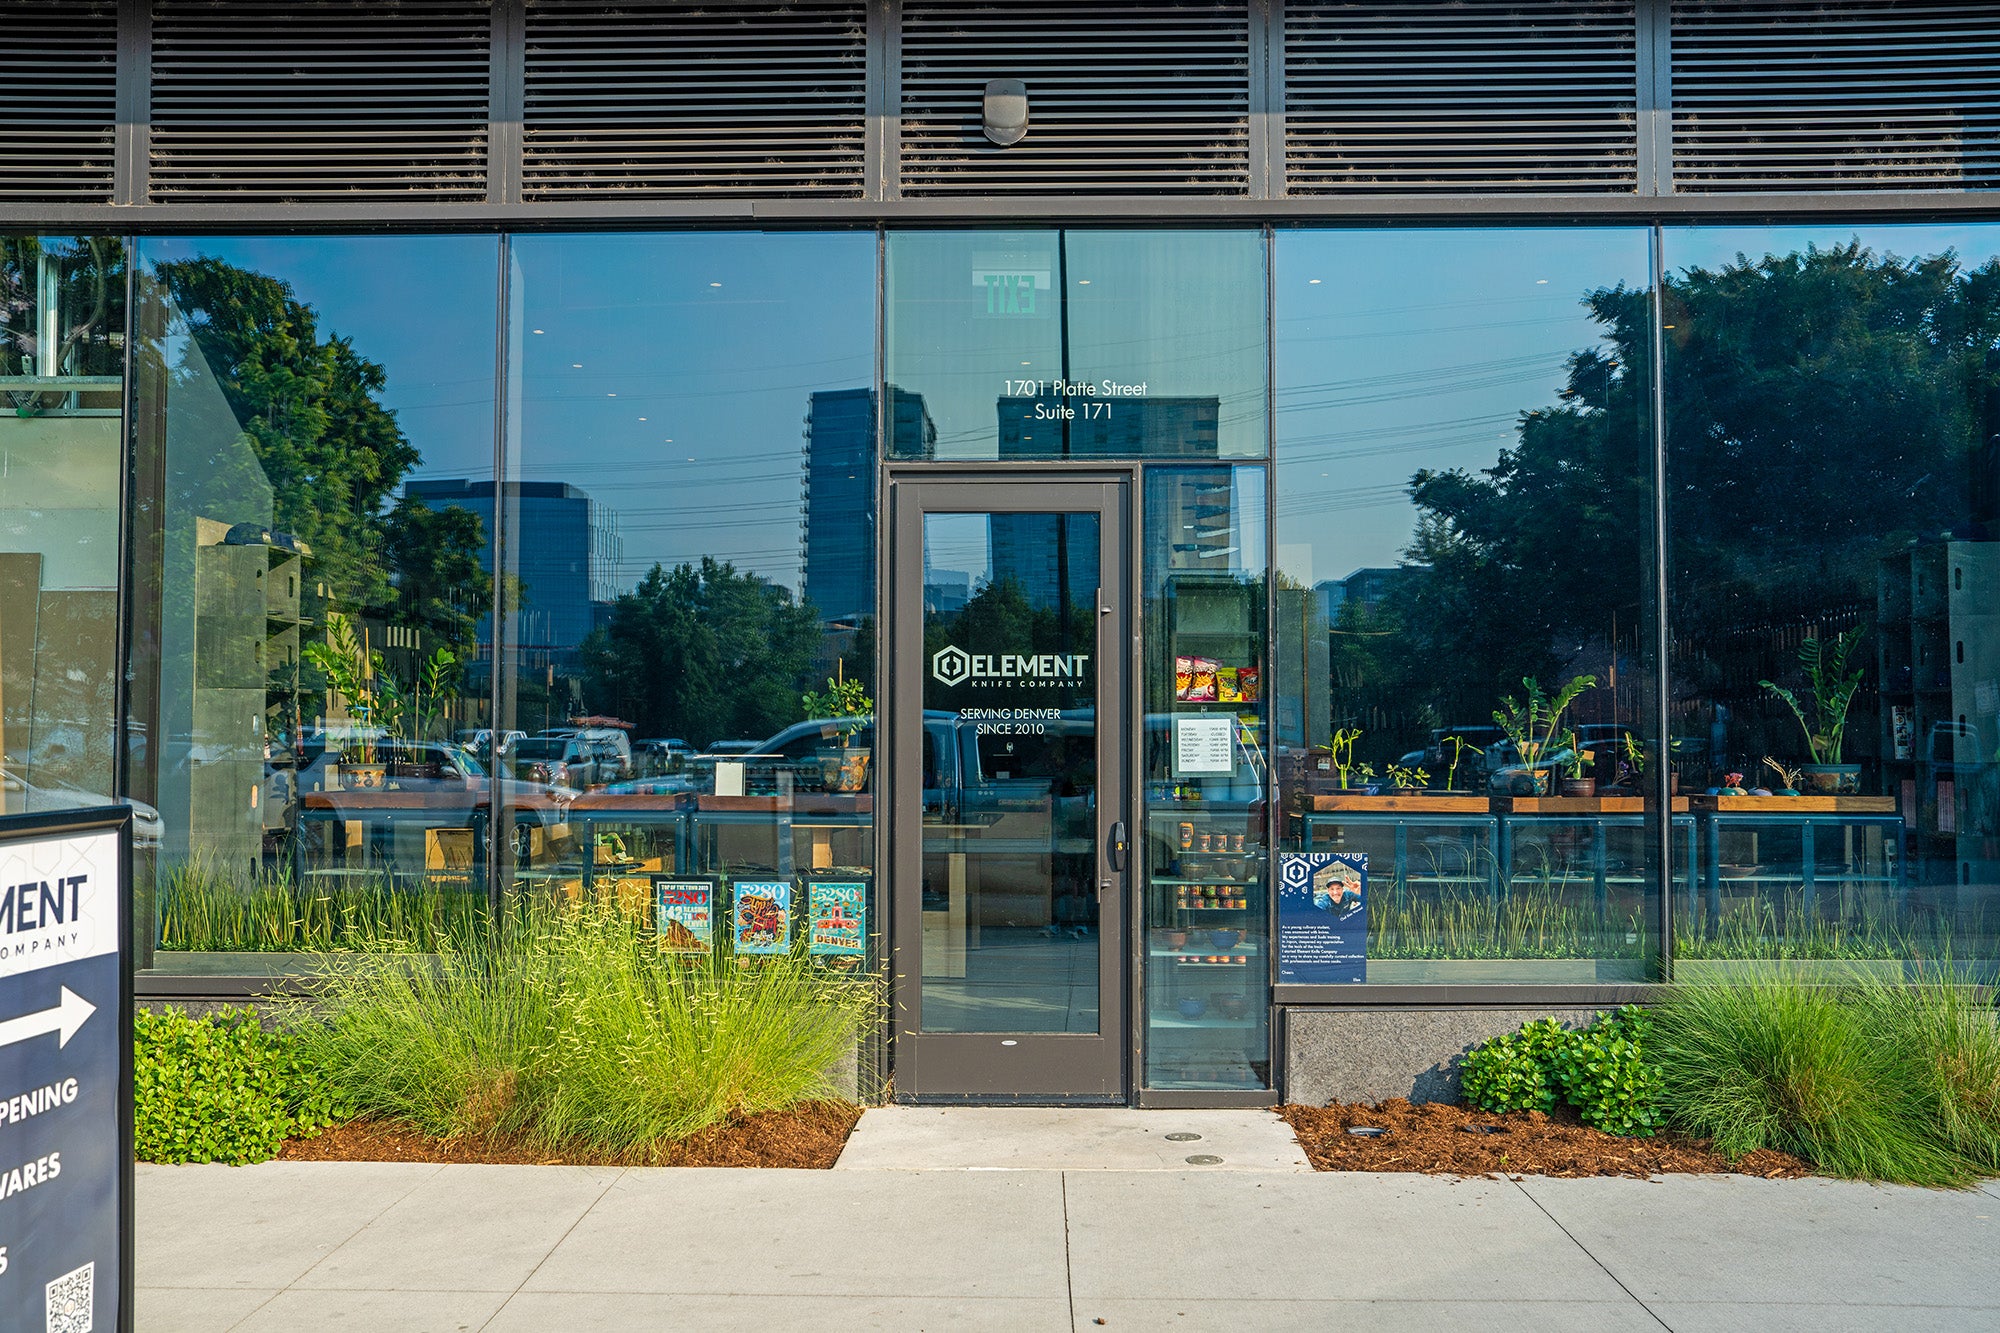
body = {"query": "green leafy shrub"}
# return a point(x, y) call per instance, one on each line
point(1604, 1073)
point(1758, 1061)
point(1512, 1072)
point(581, 1032)
point(222, 1088)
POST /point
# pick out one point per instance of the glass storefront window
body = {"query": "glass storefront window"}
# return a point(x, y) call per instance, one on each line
point(1046, 344)
point(62, 364)
point(310, 637)
point(1463, 507)
point(688, 690)
point(1833, 407)
point(1205, 755)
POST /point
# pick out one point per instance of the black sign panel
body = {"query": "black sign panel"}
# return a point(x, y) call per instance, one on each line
point(65, 1073)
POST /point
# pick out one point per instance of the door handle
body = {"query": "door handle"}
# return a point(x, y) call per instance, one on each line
point(1115, 852)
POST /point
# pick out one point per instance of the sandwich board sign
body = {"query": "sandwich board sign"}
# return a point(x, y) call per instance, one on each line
point(66, 1072)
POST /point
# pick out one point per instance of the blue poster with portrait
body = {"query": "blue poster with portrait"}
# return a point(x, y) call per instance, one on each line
point(1322, 918)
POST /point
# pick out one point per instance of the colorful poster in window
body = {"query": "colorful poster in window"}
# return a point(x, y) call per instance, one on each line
point(684, 914)
point(1322, 918)
point(839, 918)
point(763, 916)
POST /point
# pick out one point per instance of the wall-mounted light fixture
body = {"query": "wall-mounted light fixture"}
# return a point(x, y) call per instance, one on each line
point(1005, 111)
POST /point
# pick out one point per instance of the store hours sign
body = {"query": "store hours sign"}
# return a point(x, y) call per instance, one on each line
point(65, 1073)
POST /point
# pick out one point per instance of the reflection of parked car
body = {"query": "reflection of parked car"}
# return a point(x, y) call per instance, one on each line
point(19, 796)
point(592, 756)
point(1472, 759)
point(455, 787)
point(659, 758)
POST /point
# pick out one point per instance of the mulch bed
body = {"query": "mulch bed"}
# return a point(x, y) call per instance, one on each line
point(1437, 1139)
point(807, 1137)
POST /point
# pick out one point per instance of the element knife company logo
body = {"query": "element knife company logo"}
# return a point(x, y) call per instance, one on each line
point(951, 665)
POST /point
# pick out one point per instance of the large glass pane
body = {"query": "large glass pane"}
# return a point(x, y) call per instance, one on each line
point(62, 363)
point(309, 635)
point(1076, 344)
point(1207, 952)
point(1010, 910)
point(688, 713)
point(1833, 408)
point(1464, 501)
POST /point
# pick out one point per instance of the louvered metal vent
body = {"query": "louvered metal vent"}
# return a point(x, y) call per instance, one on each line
point(1836, 95)
point(1141, 99)
point(58, 100)
point(312, 100)
point(1485, 95)
point(662, 99)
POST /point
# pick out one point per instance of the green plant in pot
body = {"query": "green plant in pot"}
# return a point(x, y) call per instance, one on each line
point(846, 702)
point(1575, 761)
point(1407, 779)
point(1534, 725)
point(1340, 754)
point(354, 671)
point(1832, 680)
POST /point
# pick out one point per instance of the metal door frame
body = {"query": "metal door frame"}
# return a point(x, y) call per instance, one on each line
point(1042, 1067)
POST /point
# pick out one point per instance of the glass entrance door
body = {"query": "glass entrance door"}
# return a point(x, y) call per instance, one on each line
point(1010, 800)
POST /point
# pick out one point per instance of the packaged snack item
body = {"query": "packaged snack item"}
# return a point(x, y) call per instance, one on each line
point(1227, 690)
point(1183, 678)
point(1250, 684)
point(1202, 688)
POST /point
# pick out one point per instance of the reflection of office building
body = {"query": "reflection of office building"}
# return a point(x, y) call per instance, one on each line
point(1110, 427)
point(1040, 553)
point(837, 537)
point(1364, 588)
point(946, 590)
point(566, 551)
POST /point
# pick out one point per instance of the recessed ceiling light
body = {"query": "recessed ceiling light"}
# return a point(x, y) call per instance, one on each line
point(537, 330)
point(642, 418)
point(1312, 282)
point(1027, 363)
point(1083, 282)
point(610, 395)
point(1541, 282)
point(576, 365)
point(715, 284)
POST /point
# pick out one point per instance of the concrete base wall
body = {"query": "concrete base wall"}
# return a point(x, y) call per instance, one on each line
point(1371, 1055)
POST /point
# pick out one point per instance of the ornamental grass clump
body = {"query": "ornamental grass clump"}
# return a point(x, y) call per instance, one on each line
point(1945, 1045)
point(581, 1032)
point(1756, 1061)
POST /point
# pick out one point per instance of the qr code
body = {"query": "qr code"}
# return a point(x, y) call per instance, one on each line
point(70, 1300)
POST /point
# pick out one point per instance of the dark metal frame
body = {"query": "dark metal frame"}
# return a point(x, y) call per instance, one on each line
point(909, 491)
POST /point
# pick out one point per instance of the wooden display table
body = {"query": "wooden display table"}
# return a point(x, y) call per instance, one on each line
point(1795, 805)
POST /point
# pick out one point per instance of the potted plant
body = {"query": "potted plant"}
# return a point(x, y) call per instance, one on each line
point(1341, 756)
point(1532, 724)
point(1832, 685)
point(353, 671)
point(1788, 778)
point(1575, 761)
point(847, 703)
point(1401, 779)
point(1460, 747)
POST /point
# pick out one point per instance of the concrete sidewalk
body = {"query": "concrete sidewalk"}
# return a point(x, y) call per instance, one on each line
point(299, 1246)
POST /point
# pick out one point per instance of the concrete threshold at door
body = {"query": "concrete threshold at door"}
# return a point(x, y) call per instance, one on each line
point(1039, 1138)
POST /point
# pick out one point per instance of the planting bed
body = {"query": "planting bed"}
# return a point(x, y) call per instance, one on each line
point(809, 1137)
point(1439, 1139)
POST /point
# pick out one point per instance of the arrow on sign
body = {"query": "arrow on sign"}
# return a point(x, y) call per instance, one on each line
point(64, 1019)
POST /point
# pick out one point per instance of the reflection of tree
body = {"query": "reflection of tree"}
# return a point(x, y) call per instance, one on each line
point(1535, 560)
point(332, 454)
point(1823, 409)
point(1001, 618)
point(704, 653)
point(90, 280)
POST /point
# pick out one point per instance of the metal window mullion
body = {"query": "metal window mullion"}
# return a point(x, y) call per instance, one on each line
point(1663, 844)
point(499, 845)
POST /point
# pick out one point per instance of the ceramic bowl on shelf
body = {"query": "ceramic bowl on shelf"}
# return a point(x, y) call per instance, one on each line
point(1231, 1005)
point(1192, 1007)
point(1224, 939)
